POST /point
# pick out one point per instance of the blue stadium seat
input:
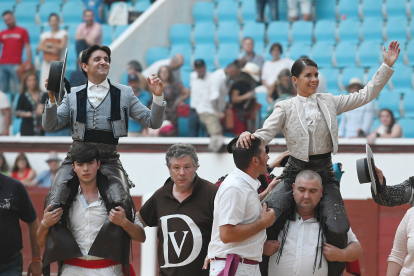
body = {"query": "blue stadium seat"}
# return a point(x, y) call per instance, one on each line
point(349, 30)
point(227, 11)
point(141, 6)
point(331, 75)
point(345, 54)
point(248, 11)
point(259, 48)
point(26, 12)
point(325, 31)
point(107, 34)
point(72, 12)
point(180, 34)
point(268, 55)
point(71, 59)
point(204, 33)
point(124, 78)
point(372, 29)
point(396, 8)
point(33, 30)
point(372, 8)
point(348, 9)
point(185, 77)
point(407, 125)
point(227, 53)
point(185, 50)
point(390, 100)
point(376, 123)
point(203, 12)
point(410, 53)
point(325, 9)
point(302, 32)
point(47, 8)
point(261, 99)
point(155, 53)
point(120, 29)
point(369, 53)
point(351, 72)
point(396, 29)
point(254, 30)
point(71, 29)
point(278, 31)
point(299, 49)
point(408, 105)
point(206, 52)
point(228, 32)
point(282, 10)
point(402, 78)
point(33, 47)
point(183, 127)
point(7, 6)
point(322, 53)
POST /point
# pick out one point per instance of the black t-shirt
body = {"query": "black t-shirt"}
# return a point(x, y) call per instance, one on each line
point(15, 204)
point(184, 229)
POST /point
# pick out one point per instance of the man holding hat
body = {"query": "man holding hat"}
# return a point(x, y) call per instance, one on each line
point(45, 179)
point(357, 122)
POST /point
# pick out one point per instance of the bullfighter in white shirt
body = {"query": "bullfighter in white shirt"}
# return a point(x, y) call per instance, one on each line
point(309, 123)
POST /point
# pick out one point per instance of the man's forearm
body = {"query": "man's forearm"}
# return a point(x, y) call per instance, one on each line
point(352, 252)
point(134, 231)
point(240, 232)
point(42, 234)
point(33, 227)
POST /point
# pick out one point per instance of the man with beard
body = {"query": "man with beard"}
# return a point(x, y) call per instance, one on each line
point(183, 212)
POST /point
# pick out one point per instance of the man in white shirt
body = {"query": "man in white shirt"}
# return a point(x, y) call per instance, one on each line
point(199, 88)
point(175, 64)
point(240, 221)
point(305, 251)
point(4, 114)
point(87, 217)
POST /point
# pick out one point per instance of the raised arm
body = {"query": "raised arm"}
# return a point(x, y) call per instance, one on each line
point(55, 117)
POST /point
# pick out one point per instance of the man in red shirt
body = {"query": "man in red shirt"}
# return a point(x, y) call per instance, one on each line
point(13, 39)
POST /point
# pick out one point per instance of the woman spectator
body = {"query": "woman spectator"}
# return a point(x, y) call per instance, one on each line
point(271, 69)
point(4, 167)
point(22, 170)
point(174, 95)
point(51, 44)
point(282, 89)
point(30, 106)
point(388, 128)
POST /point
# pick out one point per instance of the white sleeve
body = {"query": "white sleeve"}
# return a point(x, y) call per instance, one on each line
point(138, 222)
point(4, 101)
point(351, 236)
point(231, 206)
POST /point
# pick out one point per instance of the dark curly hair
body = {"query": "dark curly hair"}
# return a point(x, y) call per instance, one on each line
point(86, 54)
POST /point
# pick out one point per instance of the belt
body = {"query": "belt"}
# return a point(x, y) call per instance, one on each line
point(241, 260)
point(10, 258)
point(96, 264)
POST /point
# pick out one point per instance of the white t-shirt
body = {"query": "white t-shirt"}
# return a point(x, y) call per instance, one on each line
point(4, 103)
point(59, 35)
point(200, 93)
point(219, 89)
point(271, 69)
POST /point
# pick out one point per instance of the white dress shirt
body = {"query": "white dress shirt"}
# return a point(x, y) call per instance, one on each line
point(200, 93)
point(237, 202)
point(362, 118)
point(272, 69)
point(219, 89)
point(299, 250)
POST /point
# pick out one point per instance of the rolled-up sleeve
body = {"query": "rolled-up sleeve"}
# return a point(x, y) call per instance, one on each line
point(399, 251)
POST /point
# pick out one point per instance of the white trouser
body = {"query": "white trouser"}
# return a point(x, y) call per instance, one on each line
point(293, 9)
point(243, 269)
point(70, 270)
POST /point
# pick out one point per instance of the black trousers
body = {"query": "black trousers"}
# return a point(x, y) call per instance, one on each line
point(336, 223)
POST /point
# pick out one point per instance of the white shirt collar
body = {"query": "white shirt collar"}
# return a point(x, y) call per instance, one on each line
point(252, 182)
point(305, 99)
point(105, 84)
point(299, 217)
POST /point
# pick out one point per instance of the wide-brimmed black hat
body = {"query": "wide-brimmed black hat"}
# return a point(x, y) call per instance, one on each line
point(57, 82)
point(230, 145)
point(366, 170)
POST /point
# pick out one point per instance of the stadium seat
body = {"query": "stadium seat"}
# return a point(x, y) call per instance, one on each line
point(261, 99)
point(325, 9)
point(390, 100)
point(155, 53)
point(124, 78)
point(376, 123)
point(349, 31)
point(26, 12)
point(259, 48)
point(7, 6)
point(402, 78)
point(302, 32)
point(331, 75)
point(204, 33)
point(107, 34)
point(369, 53)
point(351, 72)
point(410, 53)
point(71, 29)
point(71, 58)
point(206, 52)
point(203, 12)
point(299, 49)
point(141, 6)
point(372, 8)
point(345, 54)
point(183, 128)
point(185, 50)
point(325, 31)
point(396, 8)
point(396, 29)
point(407, 125)
point(72, 12)
point(228, 32)
point(408, 105)
point(278, 31)
point(227, 53)
point(372, 29)
point(33, 30)
point(248, 11)
point(322, 53)
point(348, 9)
point(180, 34)
point(282, 11)
point(227, 11)
point(268, 55)
point(33, 47)
point(254, 30)
point(47, 8)
point(120, 29)
point(185, 77)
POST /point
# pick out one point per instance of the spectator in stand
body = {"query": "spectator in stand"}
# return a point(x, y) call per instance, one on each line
point(45, 179)
point(271, 69)
point(4, 167)
point(135, 68)
point(199, 87)
point(282, 89)
point(52, 44)
point(4, 114)
point(30, 106)
point(388, 128)
point(135, 128)
point(305, 8)
point(356, 123)
point(22, 171)
point(260, 7)
point(14, 38)
point(77, 78)
point(174, 63)
point(88, 32)
point(250, 55)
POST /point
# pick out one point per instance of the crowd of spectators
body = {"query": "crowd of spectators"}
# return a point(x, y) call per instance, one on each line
point(295, 9)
